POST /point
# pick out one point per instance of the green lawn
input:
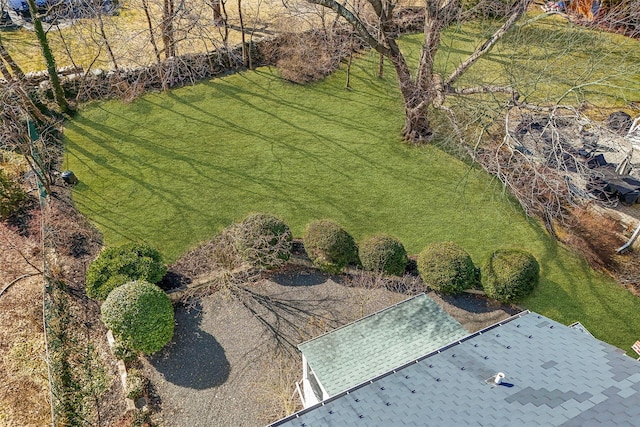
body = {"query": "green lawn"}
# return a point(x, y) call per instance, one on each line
point(173, 169)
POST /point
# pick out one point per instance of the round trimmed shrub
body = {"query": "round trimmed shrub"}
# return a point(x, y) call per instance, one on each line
point(264, 240)
point(446, 267)
point(509, 275)
point(140, 315)
point(118, 265)
point(329, 246)
point(383, 253)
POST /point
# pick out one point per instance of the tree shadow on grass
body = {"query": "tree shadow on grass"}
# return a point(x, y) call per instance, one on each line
point(194, 359)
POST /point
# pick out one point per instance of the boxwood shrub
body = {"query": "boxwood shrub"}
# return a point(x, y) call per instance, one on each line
point(329, 246)
point(118, 265)
point(509, 275)
point(382, 253)
point(264, 240)
point(140, 315)
point(446, 267)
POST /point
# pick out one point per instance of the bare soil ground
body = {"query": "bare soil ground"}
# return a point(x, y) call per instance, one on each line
point(233, 359)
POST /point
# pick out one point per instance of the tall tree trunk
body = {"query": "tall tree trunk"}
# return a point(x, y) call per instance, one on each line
point(245, 61)
point(347, 84)
point(103, 35)
point(417, 128)
point(217, 13)
point(167, 29)
point(6, 57)
point(56, 86)
point(152, 39)
point(417, 99)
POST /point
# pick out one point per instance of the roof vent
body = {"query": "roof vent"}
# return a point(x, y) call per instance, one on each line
point(496, 379)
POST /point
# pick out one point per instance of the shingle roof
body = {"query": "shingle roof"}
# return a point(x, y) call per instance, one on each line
point(555, 376)
point(371, 346)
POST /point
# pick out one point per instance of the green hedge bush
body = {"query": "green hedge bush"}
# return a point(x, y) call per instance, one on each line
point(509, 275)
point(13, 198)
point(263, 240)
point(118, 265)
point(383, 253)
point(446, 267)
point(329, 246)
point(140, 315)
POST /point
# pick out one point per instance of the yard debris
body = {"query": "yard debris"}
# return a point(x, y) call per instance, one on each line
point(594, 160)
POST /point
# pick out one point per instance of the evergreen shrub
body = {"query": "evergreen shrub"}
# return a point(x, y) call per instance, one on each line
point(140, 315)
point(446, 267)
point(510, 275)
point(329, 246)
point(383, 253)
point(118, 265)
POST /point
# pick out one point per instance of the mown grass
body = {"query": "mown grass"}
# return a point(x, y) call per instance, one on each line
point(174, 168)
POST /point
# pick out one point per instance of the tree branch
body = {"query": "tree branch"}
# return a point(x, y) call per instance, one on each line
point(520, 9)
point(481, 89)
point(358, 25)
point(16, 280)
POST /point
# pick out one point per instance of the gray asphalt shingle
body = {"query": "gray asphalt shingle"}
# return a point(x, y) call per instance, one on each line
point(555, 376)
point(371, 346)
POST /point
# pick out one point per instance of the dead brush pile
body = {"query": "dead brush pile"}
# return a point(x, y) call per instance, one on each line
point(313, 55)
point(596, 237)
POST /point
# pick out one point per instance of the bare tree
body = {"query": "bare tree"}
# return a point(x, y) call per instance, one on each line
point(424, 88)
point(152, 39)
point(7, 59)
point(18, 119)
point(168, 30)
point(56, 86)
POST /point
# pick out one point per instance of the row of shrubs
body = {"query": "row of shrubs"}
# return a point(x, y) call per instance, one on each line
point(507, 276)
point(141, 316)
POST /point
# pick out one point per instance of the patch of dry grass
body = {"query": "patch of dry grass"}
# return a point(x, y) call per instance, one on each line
point(24, 386)
point(129, 38)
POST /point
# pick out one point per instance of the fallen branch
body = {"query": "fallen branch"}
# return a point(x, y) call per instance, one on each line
point(16, 280)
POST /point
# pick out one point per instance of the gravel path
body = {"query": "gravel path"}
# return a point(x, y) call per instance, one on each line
point(226, 366)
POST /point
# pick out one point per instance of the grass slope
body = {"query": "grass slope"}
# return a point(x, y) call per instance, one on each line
point(173, 169)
